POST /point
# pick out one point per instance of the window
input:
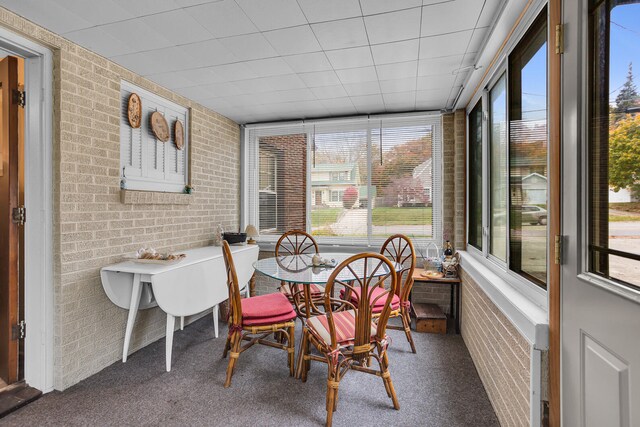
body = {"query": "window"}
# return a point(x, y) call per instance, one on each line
point(475, 176)
point(350, 181)
point(146, 163)
point(614, 142)
point(516, 162)
point(528, 154)
point(498, 168)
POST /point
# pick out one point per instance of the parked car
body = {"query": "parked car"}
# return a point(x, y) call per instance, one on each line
point(531, 214)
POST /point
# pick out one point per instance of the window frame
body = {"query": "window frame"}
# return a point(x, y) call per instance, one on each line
point(253, 132)
point(527, 287)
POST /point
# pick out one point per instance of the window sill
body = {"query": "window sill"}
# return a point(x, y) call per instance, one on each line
point(132, 197)
point(531, 319)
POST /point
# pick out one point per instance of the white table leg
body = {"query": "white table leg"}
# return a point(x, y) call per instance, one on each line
point(182, 323)
point(136, 291)
point(216, 309)
point(171, 324)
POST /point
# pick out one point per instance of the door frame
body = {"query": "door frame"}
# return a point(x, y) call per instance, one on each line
point(38, 231)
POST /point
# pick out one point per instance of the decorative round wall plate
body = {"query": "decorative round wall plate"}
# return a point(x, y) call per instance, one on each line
point(178, 134)
point(134, 110)
point(159, 126)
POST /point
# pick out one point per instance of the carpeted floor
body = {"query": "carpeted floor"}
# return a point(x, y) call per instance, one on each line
point(438, 386)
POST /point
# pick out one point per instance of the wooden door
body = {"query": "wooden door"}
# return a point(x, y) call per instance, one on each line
point(9, 229)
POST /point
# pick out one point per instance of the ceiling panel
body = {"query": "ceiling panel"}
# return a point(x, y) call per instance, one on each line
point(222, 18)
point(329, 10)
point(393, 26)
point(284, 59)
point(294, 40)
point(273, 14)
point(341, 34)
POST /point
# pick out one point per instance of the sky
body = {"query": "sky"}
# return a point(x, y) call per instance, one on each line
point(625, 46)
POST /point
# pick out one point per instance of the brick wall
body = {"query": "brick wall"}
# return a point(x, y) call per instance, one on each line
point(291, 154)
point(92, 227)
point(500, 353)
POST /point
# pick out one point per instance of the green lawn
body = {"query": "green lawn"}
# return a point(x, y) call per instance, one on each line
point(401, 216)
point(326, 216)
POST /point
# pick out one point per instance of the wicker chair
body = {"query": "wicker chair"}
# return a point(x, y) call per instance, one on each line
point(298, 242)
point(346, 336)
point(253, 319)
point(399, 249)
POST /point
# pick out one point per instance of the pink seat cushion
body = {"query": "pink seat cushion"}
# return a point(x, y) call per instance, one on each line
point(266, 306)
point(269, 320)
point(379, 305)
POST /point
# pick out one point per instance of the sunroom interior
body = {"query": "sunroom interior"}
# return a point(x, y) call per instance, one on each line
point(184, 179)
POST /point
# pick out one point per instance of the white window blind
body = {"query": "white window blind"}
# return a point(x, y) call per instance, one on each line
point(147, 163)
point(349, 182)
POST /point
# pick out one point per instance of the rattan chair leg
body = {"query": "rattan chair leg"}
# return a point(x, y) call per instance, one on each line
point(226, 348)
point(301, 352)
point(291, 348)
point(406, 322)
point(236, 340)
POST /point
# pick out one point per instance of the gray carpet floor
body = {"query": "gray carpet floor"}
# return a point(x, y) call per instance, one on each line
point(438, 386)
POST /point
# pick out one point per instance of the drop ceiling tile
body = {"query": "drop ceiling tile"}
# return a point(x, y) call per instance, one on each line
point(370, 7)
point(408, 99)
point(147, 37)
point(329, 10)
point(435, 94)
point(438, 81)
point(293, 95)
point(188, 3)
point(269, 67)
point(360, 89)
point(273, 14)
point(96, 12)
point(328, 92)
point(201, 75)
point(308, 62)
point(341, 34)
point(196, 93)
point(231, 72)
point(286, 82)
point(368, 104)
point(443, 65)
point(491, 10)
point(400, 70)
point(258, 85)
point(397, 85)
point(249, 46)
point(393, 26)
point(221, 89)
point(339, 106)
point(55, 17)
point(143, 63)
point(445, 45)
point(97, 40)
point(320, 78)
point(477, 39)
point(147, 7)
point(395, 52)
point(172, 79)
point(206, 53)
point(177, 26)
point(295, 40)
point(357, 75)
point(449, 17)
point(350, 58)
point(222, 18)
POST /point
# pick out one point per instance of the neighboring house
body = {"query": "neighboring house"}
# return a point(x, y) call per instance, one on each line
point(534, 189)
point(329, 181)
point(424, 173)
point(624, 195)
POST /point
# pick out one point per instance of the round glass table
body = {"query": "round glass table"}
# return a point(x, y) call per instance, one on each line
point(297, 270)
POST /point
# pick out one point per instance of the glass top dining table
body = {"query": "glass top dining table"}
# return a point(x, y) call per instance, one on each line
point(299, 268)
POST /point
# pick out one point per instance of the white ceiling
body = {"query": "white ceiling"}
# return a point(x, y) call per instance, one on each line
point(266, 60)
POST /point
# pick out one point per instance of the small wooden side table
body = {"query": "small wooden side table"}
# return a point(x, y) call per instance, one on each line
point(455, 292)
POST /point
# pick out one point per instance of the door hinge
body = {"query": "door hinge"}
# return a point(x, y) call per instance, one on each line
point(19, 215)
point(558, 249)
point(20, 98)
point(559, 39)
point(19, 331)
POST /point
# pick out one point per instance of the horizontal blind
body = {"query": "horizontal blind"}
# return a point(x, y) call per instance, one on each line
point(347, 182)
